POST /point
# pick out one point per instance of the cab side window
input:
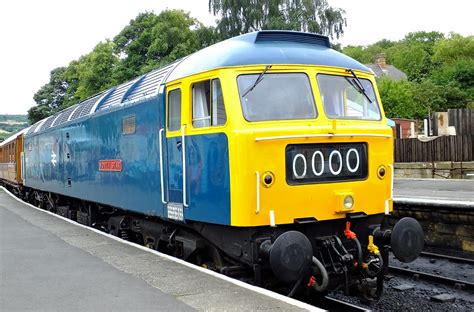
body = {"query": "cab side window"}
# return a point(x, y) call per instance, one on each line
point(174, 110)
point(208, 104)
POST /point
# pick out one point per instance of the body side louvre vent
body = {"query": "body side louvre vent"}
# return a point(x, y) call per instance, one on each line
point(84, 107)
point(64, 117)
point(47, 124)
point(288, 36)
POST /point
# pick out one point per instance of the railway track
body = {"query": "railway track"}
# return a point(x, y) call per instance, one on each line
point(436, 278)
point(333, 304)
point(446, 257)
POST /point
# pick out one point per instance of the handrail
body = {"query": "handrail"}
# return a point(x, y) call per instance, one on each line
point(328, 135)
point(161, 167)
point(183, 146)
point(258, 192)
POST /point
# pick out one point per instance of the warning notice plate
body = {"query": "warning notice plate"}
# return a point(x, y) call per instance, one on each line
point(110, 165)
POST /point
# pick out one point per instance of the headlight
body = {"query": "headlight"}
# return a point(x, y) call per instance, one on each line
point(348, 202)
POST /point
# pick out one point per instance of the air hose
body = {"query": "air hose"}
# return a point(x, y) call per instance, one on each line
point(324, 274)
point(371, 273)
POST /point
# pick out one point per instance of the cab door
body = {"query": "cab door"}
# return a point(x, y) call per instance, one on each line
point(176, 200)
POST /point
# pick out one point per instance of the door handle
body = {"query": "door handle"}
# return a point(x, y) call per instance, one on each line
point(178, 145)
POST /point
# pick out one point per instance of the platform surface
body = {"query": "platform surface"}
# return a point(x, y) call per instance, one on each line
point(435, 190)
point(50, 264)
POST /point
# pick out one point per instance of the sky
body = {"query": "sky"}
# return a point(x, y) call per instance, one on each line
point(38, 36)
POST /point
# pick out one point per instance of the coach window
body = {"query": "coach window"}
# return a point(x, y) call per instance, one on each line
point(174, 110)
point(208, 104)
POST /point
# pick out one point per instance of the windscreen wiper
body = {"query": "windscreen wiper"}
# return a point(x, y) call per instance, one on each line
point(357, 84)
point(259, 79)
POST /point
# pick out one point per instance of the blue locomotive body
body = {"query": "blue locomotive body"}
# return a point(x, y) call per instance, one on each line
point(66, 159)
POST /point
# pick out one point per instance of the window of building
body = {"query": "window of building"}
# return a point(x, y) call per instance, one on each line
point(208, 104)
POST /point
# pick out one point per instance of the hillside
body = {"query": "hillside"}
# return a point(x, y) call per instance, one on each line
point(10, 124)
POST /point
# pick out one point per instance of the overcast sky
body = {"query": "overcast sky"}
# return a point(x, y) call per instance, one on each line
point(38, 36)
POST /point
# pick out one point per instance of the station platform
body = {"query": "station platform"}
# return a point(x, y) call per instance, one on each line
point(48, 263)
point(434, 192)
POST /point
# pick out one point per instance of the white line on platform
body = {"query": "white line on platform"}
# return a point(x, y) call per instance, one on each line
point(262, 291)
point(434, 179)
point(433, 201)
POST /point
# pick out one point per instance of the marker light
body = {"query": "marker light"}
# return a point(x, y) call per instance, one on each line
point(348, 202)
point(381, 172)
point(268, 178)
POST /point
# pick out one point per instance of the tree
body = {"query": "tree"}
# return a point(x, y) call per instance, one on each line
point(397, 99)
point(457, 80)
point(151, 40)
point(50, 97)
point(36, 113)
point(238, 17)
point(414, 54)
point(429, 97)
point(132, 44)
point(95, 70)
point(52, 93)
point(454, 48)
point(359, 53)
point(173, 38)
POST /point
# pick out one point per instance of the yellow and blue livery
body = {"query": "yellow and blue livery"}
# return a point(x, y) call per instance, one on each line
point(266, 156)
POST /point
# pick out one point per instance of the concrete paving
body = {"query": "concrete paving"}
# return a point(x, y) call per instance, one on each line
point(49, 264)
point(435, 190)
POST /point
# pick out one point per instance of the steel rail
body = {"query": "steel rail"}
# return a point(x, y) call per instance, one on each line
point(465, 285)
point(446, 257)
point(333, 304)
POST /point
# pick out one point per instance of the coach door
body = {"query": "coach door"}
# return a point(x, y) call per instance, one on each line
point(176, 196)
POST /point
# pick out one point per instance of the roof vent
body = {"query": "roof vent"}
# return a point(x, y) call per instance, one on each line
point(292, 36)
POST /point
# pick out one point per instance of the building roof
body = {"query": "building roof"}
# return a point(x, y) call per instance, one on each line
point(390, 71)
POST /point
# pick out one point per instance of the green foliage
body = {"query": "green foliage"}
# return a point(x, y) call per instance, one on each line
point(240, 17)
point(172, 39)
point(455, 48)
point(94, 70)
point(132, 45)
point(11, 124)
point(36, 113)
point(52, 93)
point(151, 41)
point(412, 59)
point(440, 72)
point(397, 98)
point(49, 97)
point(148, 42)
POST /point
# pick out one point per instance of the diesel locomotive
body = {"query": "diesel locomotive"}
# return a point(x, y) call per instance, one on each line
point(266, 157)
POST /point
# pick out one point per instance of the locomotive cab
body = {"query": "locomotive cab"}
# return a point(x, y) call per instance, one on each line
point(310, 169)
point(316, 145)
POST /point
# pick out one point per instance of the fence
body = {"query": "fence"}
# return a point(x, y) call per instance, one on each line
point(462, 120)
point(444, 148)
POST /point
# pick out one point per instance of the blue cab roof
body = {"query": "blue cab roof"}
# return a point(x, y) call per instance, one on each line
point(266, 47)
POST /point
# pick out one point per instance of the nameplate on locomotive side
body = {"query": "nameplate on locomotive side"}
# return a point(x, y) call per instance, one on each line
point(175, 211)
point(326, 162)
point(110, 165)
